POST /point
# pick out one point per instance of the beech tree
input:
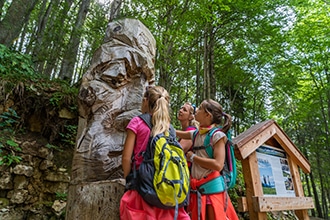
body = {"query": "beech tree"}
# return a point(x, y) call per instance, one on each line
point(71, 53)
point(16, 16)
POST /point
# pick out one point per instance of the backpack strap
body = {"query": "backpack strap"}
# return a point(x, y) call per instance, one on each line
point(207, 141)
point(132, 181)
point(146, 117)
point(194, 135)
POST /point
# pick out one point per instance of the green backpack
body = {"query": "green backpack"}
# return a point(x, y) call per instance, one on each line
point(164, 179)
point(227, 180)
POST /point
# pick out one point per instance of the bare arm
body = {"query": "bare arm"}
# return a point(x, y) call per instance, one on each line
point(183, 134)
point(128, 152)
point(186, 144)
point(215, 163)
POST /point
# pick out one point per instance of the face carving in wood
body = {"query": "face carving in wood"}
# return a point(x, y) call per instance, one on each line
point(110, 95)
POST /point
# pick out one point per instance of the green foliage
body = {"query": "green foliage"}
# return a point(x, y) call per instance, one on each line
point(50, 146)
point(61, 196)
point(15, 64)
point(17, 73)
point(8, 147)
point(9, 119)
point(8, 158)
point(239, 189)
point(69, 135)
point(56, 98)
point(64, 96)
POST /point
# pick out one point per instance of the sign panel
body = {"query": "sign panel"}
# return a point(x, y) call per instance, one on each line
point(274, 171)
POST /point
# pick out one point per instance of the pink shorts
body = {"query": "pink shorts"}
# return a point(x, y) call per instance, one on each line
point(133, 207)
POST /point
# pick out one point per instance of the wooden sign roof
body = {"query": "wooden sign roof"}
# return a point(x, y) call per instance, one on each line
point(268, 132)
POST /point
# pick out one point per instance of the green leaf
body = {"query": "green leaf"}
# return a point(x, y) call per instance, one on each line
point(12, 143)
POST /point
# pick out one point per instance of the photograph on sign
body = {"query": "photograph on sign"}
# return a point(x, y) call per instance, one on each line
point(274, 172)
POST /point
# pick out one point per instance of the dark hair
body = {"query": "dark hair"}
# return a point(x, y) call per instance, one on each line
point(215, 109)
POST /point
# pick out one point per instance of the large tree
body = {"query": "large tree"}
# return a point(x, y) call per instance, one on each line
point(71, 53)
point(16, 16)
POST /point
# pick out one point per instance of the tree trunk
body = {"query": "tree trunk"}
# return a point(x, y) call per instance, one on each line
point(2, 3)
point(166, 52)
point(49, 36)
point(321, 83)
point(302, 142)
point(316, 197)
point(70, 55)
point(51, 64)
point(327, 195)
point(198, 74)
point(78, 74)
point(322, 190)
point(206, 89)
point(43, 17)
point(309, 191)
point(19, 44)
point(17, 15)
point(95, 200)
point(213, 82)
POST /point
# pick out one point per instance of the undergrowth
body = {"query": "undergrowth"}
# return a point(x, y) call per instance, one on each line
point(32, 95)
point(8, 145)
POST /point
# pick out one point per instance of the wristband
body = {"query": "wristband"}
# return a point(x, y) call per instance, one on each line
point(191, 159)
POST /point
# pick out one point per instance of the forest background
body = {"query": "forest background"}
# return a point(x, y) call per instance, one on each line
point(260, 59)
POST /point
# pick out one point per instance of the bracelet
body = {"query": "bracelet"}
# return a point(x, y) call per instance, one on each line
point(191, 159)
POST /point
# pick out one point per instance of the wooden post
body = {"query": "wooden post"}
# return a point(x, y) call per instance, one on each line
point(301, 214)
point(253, 185)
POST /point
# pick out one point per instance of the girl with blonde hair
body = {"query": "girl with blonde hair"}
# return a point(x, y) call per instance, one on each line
point(132, 206)
point(186, 116)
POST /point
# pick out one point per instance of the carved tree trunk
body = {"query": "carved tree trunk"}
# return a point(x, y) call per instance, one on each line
point(110, 95)
point(97, 200)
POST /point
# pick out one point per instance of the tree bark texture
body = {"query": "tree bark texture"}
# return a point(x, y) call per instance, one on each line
point(2, 3)
point(17, 15)
point(97, 200)
point(110, 96)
